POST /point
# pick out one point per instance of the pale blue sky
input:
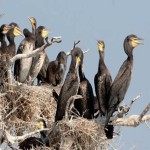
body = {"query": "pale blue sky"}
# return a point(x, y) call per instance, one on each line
point(89, 20)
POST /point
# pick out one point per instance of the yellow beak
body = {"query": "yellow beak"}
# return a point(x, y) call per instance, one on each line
point(44, 33)
point(6, 29)
point(17, 31)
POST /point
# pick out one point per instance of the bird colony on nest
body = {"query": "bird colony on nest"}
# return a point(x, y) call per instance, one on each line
point(69, 107)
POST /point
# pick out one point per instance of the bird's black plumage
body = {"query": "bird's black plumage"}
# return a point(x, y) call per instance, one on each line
point(102, 80)
point(56, 69)
point(84, 106)
point(121, 83)
point(3, 31)
point(39, 59)
point(22, 66)
point(41, 33)
point(70, 86)
point(12, 33)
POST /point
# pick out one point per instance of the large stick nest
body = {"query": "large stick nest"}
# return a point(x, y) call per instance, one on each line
point(23, 105)
point(26, 105)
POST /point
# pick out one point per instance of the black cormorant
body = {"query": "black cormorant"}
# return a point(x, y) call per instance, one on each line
point(102, 80)
point(70, 86)
point(12, 33)
point(3, 31)
point(3, 57)
point(84, 106)
point(121, 83)
point(56, 69)
point(31, 142)
point(41, 33)
point(22, 66)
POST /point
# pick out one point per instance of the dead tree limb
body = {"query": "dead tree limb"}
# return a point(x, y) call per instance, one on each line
point(133, 120)
point(70, 104)
point(75, 43)
point(123, 110)
point(14, 139)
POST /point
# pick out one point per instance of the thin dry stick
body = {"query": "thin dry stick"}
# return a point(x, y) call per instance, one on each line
point(125, 109)
point(75, 43)
point(15, 139)
point(133, 120)
point(144, 112)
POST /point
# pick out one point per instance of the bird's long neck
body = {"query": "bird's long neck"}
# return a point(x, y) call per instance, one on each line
point(34, 31)
point(11, 39)
point(129, 51)
point(72, 68)
point(101, 61)
point(81, 73)
point(3, 43)
point(39, 41)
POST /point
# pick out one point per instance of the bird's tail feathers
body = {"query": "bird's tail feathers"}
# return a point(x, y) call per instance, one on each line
point(109, 129)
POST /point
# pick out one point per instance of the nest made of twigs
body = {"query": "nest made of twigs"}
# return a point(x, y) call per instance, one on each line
point(26, 105)
point(29, 103)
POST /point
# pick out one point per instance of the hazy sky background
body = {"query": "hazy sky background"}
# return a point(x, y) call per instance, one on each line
point(89, 20)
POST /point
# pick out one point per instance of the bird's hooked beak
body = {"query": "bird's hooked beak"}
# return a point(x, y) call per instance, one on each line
point(17, 31)
point(77, 61)
point(32, 21)
point(44, 33)
point(100, 45)
point(136, 41)
point(6, 29)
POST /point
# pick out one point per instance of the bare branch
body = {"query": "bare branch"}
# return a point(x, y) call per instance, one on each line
point(14, 139)
point(75, 43)
point(70, 104)
point(133, 120)
point(85, 51)
point(123, 110)
point(144, 112)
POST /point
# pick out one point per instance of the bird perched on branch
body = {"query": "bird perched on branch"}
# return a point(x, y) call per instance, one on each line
point(70, 86)
point(38, 60)
point(11, 34)
point(3, 31)
point(41, 33)
point(56, 69)
point(22, 66)
point(102, 80)
point(85, 105)
point(122, 80)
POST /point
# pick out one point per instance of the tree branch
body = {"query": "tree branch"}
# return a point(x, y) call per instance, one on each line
point(123, 110)
point(75, 43)
point(133, 120)
point(14, 139)
point(70, 104)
